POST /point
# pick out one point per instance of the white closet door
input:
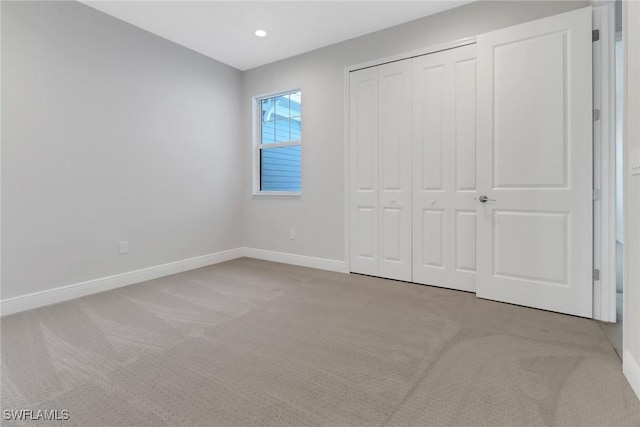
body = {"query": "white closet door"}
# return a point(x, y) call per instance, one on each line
point(395, 170)
point(535, 164)
point(444, 165)
point(363, 154)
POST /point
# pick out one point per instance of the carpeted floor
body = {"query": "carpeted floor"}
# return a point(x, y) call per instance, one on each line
point(250, 342)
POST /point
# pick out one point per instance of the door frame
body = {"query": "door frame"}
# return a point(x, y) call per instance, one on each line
point(604, 166)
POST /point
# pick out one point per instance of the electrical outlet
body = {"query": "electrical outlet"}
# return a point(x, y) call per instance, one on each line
point(124, 247)
point(292, 234)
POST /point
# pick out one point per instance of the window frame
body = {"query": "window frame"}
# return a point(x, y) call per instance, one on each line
point(258, 146)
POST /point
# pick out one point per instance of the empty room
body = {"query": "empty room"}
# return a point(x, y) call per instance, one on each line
point(320, 213)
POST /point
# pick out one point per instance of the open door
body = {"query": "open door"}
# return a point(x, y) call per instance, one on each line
point(534, 160)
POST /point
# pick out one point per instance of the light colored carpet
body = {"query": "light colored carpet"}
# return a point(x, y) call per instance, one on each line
point(255, 343)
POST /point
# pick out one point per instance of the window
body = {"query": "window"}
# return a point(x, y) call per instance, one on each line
point(278, 144)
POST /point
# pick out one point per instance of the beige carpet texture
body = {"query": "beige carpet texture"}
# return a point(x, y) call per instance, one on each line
point(254, 343)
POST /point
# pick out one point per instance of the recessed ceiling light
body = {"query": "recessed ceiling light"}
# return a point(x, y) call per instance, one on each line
point(261, 33)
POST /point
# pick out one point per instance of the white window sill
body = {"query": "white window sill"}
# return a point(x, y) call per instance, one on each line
point(277, 193)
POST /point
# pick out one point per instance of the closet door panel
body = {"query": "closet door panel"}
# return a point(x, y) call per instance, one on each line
point(444, 169)
point(395, 170)
point(463, 216)
point(363, 179)
point(430, 205)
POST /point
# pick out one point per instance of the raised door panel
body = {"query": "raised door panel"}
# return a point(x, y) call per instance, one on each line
point(433, 235)
point(465, 236)
point(432, 113)
point(392, 228)
point(366, 225)
point(543, 258)
point(530, 140)
point(465, 122)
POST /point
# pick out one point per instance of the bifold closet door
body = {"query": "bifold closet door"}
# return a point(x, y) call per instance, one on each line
point(535, 164)
point(380, 170)
point(444, 168)
point(395, 170)
point(363, 171)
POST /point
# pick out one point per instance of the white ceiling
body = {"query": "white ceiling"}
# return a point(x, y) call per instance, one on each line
point(224, 30)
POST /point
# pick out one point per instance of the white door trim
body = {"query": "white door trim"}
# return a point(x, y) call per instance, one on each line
point(604, 164)
point(412, 54)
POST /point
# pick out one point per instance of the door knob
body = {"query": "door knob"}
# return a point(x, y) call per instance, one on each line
point(485, 199)
point(393, 200)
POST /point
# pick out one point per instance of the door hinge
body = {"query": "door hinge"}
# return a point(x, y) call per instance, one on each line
point(596, 115)
point(596, 274)
point(595, 35)
point(596, 194)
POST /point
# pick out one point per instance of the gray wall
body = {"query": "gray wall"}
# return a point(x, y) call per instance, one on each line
point(318, 214)
point(110, 133)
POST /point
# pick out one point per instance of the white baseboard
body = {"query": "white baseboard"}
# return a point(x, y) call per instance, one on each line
point(76, 290)
point(631, 370)
point(300, 260)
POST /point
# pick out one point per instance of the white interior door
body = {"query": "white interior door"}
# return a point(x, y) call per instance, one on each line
point(363, 171)
point(395, 170)
point(444, 165)
point(534, 237)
